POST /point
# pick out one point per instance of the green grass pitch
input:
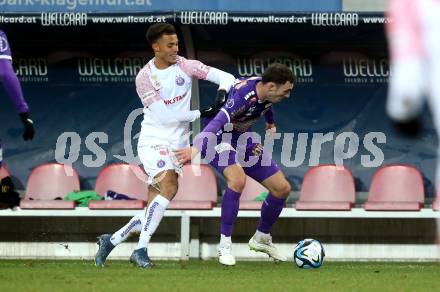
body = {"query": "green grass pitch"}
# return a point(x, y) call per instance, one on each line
point(195, 275)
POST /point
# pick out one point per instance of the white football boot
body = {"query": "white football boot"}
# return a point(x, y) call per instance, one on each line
point(262, 242)
point(225, 256)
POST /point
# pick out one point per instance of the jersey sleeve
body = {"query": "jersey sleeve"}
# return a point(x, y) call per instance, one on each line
point(146, 90)
point(194, 68)
point(12, 85)
point(269, 116)
point(234, 106)
point(199, 70)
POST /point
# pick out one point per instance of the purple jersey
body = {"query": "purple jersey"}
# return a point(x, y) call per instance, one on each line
point(5, 50)
point(242, 109)
point(9, 78)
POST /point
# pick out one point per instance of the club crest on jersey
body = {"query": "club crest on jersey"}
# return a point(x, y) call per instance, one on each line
point(160, 163)
point(180, 81)
point(230, 103)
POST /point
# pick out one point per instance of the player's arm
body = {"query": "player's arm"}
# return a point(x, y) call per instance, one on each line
point(235, 106)
point(184, 155)
point(269, 117)
point(13, 89)
point(223, 79)
point(150, 98)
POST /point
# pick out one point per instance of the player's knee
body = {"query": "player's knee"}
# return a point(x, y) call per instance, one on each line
point(169, 191)
point(282, 190)
point(237, 183)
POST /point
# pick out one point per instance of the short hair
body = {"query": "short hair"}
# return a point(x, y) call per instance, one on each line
point(157, 30)
point(279, 74)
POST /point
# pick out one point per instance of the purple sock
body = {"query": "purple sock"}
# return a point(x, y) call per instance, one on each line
point(270, 211)
point(230, 204)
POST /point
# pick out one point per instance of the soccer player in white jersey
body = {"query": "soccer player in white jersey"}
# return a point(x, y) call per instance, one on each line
point(164, 87)
point(414, 41)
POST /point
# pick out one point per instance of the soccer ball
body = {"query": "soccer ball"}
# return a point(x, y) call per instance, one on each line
point(308, 254)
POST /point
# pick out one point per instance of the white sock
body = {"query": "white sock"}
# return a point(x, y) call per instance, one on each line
point(132, 227)
point(153, 216)
point(225, 240)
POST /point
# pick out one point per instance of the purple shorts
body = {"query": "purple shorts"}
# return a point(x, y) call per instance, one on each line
point(257, 167)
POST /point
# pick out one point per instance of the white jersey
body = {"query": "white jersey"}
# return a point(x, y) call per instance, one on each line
point(173, 86)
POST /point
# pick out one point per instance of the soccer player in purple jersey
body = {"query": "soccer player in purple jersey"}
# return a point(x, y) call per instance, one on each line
point(247, 101)
point(13, 89)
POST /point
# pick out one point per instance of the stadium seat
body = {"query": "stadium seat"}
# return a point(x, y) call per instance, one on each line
point(197, 190)
point(327, 187)
point(4, 172)
point(252, 189)
point(48, 184)
point(436, 203)
point(125, 179)
point(396, 188)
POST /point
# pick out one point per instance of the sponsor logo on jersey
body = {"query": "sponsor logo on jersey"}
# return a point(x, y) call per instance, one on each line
point(247, 96)
point(176, 99)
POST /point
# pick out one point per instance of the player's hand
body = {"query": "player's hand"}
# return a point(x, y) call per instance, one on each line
point(212, 111)
point(220, 99)
point(209, 112)
point(258, 149)
point(184, 155)
point(28, 125)
point(271, 130)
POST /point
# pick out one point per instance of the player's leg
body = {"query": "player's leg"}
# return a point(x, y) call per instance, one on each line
point(236, 179)
point(279, 188)
point(167, 189)
point(225, 163)
point(162, 170)
point(107, 242)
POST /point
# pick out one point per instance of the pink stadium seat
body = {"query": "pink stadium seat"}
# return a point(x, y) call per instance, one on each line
point(327, 187)
point(436, 203)
point(125, 179)
point(4, 172)
point(48, 182)
point(251, 190)
point(396, 188)
point(196, 190)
